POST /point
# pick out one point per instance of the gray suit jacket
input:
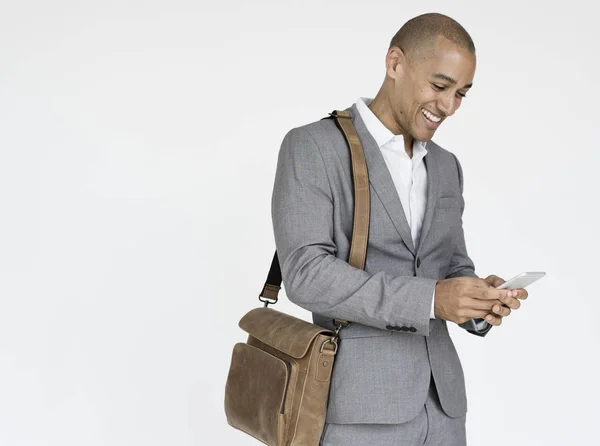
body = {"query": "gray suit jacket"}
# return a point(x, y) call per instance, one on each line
point(391, 349)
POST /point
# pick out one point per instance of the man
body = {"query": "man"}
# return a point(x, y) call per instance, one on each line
point(397, 379)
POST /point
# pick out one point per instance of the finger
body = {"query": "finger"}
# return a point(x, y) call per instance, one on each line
point(522, 293)
point(493, 319)
point(481, 304)
point(501, 310)
point(476, 314)
point(497, 309)
point(511, 302)
point(494, 280)
point(507, 297)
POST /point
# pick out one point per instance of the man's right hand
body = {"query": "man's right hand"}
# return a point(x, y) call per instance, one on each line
point(463, 298)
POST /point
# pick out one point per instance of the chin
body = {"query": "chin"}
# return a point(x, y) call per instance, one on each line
point(424, 135)
point(422, 132)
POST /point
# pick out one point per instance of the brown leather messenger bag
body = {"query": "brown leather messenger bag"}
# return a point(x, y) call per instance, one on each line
point(278, 382)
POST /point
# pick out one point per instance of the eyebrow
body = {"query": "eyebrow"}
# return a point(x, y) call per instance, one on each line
point(449, 79)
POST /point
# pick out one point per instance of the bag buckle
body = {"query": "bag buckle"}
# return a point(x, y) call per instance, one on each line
point(333, 341)
point(334, 338)
point(269, 294)
point(267, 301)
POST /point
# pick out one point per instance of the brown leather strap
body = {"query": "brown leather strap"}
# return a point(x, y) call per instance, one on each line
point(362, 206)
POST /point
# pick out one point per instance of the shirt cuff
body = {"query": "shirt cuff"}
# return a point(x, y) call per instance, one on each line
point(432, 312)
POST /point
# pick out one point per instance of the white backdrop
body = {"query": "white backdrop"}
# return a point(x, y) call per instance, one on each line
point(138, 144)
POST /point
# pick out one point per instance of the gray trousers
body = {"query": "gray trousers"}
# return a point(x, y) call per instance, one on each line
point(431, 427)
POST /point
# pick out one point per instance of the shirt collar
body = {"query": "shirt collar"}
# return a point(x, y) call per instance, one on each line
point(381, 134)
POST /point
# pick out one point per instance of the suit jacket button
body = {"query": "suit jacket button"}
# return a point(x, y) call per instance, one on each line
point(412, 329)
point(404, 328)
point(418, 263)
point(389, 327)
point(397, 328)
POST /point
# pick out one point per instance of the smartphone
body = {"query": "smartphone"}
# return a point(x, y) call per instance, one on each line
point(521, 280)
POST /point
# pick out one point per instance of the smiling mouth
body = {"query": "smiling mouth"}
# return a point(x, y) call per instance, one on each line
point(430, 116)
point(432, 121)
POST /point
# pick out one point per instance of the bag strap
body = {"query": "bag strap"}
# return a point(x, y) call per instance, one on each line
point(362, 207)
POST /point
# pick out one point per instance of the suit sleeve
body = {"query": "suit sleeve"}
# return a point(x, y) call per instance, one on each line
point(462, 265)
point(314, 278)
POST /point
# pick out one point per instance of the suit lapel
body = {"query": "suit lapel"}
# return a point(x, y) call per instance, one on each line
point(381, 180)
point(432, 194)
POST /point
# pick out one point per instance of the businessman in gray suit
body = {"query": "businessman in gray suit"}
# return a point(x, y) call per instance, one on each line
point(397, 379)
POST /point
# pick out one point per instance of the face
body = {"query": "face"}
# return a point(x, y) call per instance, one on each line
point(427, 91)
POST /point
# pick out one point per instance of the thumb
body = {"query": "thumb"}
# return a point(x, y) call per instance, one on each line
point(494, 280)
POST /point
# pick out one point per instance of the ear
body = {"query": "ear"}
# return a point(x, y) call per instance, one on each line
point(395, 63)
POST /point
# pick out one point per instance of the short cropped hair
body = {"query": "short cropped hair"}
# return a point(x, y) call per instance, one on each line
point(416, 37)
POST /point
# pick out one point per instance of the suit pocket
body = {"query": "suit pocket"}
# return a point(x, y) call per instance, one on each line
point(449, 202)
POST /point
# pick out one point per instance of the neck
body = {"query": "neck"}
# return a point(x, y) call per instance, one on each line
point(380, 106)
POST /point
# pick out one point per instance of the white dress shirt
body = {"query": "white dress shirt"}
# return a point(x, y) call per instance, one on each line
point(408, 174)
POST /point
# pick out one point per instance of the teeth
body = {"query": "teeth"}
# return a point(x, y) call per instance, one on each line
point(430, 115)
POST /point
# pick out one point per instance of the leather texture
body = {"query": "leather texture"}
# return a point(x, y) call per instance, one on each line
point(382, 371)
point(261, 378)
point(360, 181)
point(259, 401)
point(281, 331)
point(278, 383)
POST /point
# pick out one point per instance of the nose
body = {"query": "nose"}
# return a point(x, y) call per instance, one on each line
point(448, 104)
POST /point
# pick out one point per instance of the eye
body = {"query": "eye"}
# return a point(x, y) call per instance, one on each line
point(443, 87)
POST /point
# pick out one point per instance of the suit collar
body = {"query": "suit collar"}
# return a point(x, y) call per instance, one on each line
point(383, 185)
point(380, 133)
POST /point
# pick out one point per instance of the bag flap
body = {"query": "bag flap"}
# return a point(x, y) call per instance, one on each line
point(281, 331)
